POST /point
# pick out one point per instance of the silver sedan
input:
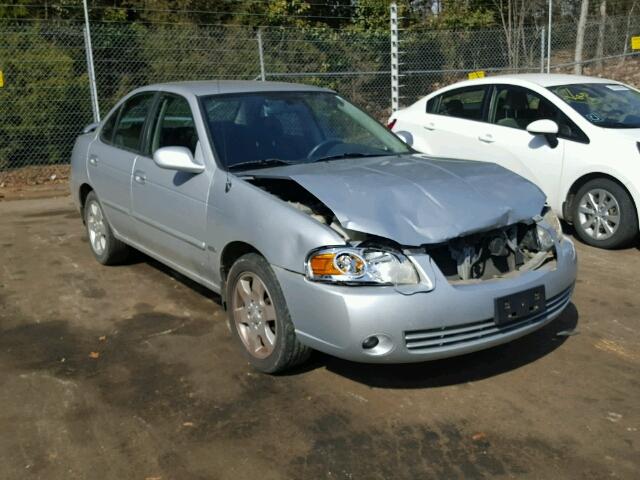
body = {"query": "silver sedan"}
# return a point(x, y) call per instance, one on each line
point(319, 228)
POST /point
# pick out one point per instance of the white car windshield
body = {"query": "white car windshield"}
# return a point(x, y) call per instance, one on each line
point(270, 128)
point(605, 105)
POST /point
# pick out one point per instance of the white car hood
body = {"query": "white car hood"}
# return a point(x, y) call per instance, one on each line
point(630, 133)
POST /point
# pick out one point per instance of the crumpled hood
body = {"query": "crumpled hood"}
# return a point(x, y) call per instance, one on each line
point(415, 199)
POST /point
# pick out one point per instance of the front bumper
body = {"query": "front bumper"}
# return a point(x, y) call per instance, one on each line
point(447, 321)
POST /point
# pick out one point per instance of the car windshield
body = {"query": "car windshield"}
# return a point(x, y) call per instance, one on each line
point(605, 105)
point(272, 128)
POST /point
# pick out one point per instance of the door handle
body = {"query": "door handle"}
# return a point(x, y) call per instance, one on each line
point(430, 126)
point(140, 177)
point(487, 138)
point(93, 160)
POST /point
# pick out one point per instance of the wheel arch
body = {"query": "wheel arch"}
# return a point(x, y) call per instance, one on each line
point(83, 192)
point(231, 252)
point(567, 206)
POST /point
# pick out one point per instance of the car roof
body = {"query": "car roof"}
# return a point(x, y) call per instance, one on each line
point(540, 79)
point(220, 87)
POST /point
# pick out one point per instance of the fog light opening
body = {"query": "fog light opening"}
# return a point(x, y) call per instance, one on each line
point(378, 344)
point(370, 342)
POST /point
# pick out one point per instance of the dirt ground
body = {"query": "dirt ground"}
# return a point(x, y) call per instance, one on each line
point(130, 373)
point(35, 182)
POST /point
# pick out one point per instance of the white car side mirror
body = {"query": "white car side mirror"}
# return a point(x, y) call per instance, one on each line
point(177, 158)
point(543, 127)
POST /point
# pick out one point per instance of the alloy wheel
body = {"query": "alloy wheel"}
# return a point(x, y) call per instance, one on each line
point(254, 315)
point(599, 214)
point(96, 228)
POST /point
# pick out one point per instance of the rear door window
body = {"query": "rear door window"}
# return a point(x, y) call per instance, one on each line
point(128, 133)
point(465, 103)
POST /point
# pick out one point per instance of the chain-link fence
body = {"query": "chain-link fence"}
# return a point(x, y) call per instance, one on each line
point(433, 59)
point(46, 99)
point(615, 42)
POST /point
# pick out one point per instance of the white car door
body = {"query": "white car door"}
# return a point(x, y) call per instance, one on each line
point(505, 140)
point(451, 123)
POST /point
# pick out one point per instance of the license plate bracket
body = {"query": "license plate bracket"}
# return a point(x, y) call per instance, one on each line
point(514, 307)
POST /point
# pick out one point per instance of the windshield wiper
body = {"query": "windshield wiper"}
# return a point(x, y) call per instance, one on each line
point(351, 155)
point(265, 162)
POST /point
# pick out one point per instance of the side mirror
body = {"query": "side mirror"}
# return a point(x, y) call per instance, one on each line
point(90, 128)
point(406, 137)
point(545, 127)
point(177, 158)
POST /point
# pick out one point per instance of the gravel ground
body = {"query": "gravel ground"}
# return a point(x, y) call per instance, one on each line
point(130, 373)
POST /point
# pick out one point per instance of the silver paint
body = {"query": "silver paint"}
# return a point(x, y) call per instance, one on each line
point(416, 200)
point(189, 220)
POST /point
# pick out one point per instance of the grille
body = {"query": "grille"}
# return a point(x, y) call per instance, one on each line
point(435, 338)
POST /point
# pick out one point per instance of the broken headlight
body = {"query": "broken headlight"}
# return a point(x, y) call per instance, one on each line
point(548, 229)
point(360, 265)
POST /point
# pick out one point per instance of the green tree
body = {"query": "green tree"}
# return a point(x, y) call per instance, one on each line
point(45, 100)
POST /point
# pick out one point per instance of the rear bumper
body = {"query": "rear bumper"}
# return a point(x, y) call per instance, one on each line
point(447, 321)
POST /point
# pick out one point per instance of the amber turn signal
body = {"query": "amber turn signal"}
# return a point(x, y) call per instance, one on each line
point(322, 264)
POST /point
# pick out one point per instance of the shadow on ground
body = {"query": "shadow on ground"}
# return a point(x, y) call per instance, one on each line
point(457, 370)
point(438, 373)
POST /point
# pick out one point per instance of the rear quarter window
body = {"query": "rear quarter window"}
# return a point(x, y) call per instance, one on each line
point(432, 105)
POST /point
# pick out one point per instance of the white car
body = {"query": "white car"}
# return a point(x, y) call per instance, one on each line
point(576, 137)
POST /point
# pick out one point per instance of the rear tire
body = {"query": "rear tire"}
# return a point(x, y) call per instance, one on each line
point(604, 215)
point(259, 317)
point(107, 249)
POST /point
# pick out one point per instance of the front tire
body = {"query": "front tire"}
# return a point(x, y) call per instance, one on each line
point(604, 215)
point(107, 249)
point(259, 317)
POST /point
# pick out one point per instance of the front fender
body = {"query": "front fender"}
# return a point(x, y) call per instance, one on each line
point(239, 211)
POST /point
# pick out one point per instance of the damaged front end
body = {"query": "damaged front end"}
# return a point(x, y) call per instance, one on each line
point(364, 259)
point(368, 259)
point(500, 253)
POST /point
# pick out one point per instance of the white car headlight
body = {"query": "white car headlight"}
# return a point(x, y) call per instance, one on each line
point(360, 265)
point(548, 227)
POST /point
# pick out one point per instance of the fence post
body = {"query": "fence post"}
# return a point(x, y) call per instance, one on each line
point(90, 68)
point(395, 66)
point(542, 45)
point(549, 37)
point(263, 75)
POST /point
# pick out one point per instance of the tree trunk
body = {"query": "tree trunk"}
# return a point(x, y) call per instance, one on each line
point(601, 31)
point(582, 24)
point(512, 16)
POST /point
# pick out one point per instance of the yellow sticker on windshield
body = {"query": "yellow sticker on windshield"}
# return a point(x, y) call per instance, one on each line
point(476, 74)
point(635, 43)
